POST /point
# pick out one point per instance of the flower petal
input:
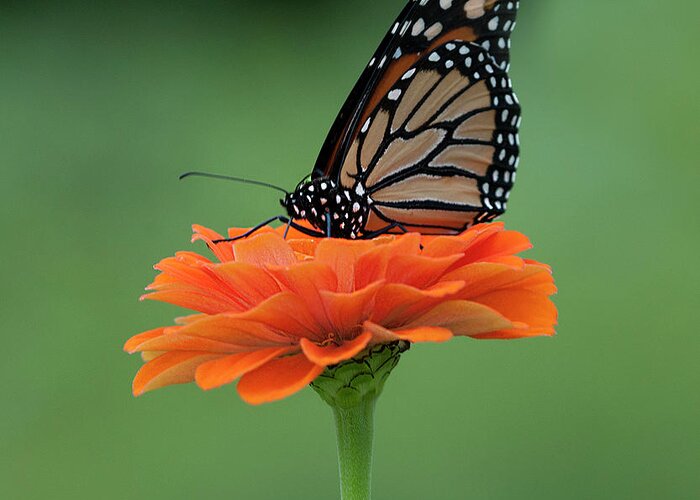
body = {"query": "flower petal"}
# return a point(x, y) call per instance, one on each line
point(278, 379)
point(222, 251)
point(131, 346)
point(395, 304)
point(218, 372)
point(419, 271)
point(250, 283)
point(484, 277)
point(342, 257)
point(236, 331)
point(333, 354)
point(462, 317)
point(308, 280)
point(168, 369)
point(381, 335)
point(267, 249)
point(193, 299)
point(347, 311)
point(533, 309)
point(374, 264)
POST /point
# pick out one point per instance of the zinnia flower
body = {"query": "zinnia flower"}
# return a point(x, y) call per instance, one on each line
point(276, 312)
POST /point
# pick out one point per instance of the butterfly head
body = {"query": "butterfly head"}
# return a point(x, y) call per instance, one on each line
point(327, 206)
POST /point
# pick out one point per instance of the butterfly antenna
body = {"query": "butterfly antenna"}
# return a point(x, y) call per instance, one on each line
point(234, 179)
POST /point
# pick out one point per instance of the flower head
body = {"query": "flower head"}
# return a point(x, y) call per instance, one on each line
point(276, 312)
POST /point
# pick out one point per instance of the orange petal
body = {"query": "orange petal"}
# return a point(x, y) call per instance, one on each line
point(373, 265)
point(194, 300)
point(278, 379)
point(397, 304)
point(334, 354)
point(252, 284)
point(213, 374)
point(495, 245)
point(289, 313)
point(236, 330)
point(462, 317)
point(346, 311)
point(419, 271)
point(308, 280)
point(131, 345)
point(531, 308)
point(222, 251)
point(267, 249)
point(381, 335)
point(169, 369)
point(176, 341)
point(484, 277)
point(342, 257)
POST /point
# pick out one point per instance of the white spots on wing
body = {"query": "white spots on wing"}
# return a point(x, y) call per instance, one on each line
point(365, 127)
point(445, 4)
point(434, 57)
point(474, 9)
point(394, 94)
point(418, 27)
point(408, 74)
point(493, 23)
point(433, 31)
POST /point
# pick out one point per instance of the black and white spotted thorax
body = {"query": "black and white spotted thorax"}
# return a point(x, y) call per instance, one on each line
point(321, 200)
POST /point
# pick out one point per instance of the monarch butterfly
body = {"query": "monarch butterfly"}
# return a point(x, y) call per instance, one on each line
point(427, 140)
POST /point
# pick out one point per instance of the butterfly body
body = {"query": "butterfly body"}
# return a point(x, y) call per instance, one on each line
point(334, 210)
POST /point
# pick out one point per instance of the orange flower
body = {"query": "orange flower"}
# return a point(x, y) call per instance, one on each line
point(275, 313)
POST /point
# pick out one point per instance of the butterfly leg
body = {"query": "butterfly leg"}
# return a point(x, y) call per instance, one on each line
point(280, 218)
point(384, 230)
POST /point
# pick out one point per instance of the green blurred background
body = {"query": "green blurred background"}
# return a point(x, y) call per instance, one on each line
point(103, 104)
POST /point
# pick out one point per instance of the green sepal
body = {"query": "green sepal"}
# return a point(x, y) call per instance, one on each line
point(361, 378)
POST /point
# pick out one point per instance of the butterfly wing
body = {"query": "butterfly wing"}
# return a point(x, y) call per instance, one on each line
point(440, 150)
point(422, 26)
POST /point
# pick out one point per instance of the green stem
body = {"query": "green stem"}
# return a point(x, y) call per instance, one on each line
point(355, 431)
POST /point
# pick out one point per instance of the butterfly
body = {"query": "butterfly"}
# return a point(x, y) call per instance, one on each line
point(427, 140)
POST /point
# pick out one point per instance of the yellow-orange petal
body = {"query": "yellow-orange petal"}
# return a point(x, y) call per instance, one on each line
point(218, 372)
point(278, 379)
point(381, 335)
point(169, 369)
point(333, 354)
point(463, 317)
point(266, 249)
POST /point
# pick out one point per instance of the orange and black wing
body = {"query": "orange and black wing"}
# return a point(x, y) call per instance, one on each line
point(440, 150)
point(421, 27)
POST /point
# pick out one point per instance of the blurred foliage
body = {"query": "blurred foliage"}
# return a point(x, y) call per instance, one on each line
point(103, 104)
